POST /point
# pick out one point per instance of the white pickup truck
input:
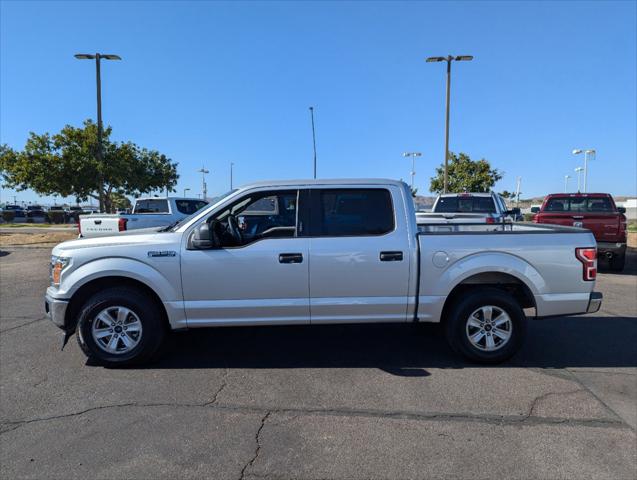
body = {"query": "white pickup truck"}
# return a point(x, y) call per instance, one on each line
point(479, 208)
point(146, 213)
point(317, 252)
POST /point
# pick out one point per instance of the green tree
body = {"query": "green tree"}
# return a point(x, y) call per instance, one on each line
point(506, 194)
point(120, 201)
point(65, 164)
point(466, 175)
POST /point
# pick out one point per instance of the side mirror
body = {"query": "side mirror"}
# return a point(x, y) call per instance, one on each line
point(202, 237)
point(621, 209)
point(535, 209)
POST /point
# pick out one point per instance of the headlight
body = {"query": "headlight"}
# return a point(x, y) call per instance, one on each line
point(58, 264)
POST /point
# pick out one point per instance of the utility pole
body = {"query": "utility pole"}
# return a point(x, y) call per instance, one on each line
point(231, 165)
point(313, 139)
point(98, 77)
point(578, 170)
point(566, 177)
point(413, 156)
point(448, 59)
point(203, 172)
point(592, 151)
point(517, 191)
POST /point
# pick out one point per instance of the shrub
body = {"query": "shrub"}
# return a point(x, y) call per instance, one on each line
point(528, 217)
point(8, 215)
point(30, 220)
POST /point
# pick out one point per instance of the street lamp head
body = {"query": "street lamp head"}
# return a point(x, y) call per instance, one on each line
point(109, 56)
point(576, 151)
point(435, 59)
point(464, 58)
point(579, 169)
point(412, 154)
point(592, 150)
point(84, 56)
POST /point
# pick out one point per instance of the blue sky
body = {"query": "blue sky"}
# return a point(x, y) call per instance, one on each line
point(212, 83)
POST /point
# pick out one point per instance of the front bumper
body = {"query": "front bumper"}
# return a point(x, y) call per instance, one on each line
point(56, 310)
point(615, 248)
point(594, 302)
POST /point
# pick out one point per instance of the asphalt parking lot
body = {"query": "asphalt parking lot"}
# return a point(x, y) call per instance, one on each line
point(340, 402)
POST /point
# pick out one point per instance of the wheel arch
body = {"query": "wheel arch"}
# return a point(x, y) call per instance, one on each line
point(503, 281)
point(83, 293)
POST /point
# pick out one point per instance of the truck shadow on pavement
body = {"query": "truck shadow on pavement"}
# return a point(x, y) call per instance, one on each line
point(403, 350)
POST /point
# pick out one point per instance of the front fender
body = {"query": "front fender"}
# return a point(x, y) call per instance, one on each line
point(119, 267)
point(487, 262)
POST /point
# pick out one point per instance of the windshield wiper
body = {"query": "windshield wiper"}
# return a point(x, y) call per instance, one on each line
point(169, 227)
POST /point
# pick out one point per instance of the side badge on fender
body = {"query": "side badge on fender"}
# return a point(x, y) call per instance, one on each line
point(163, 253)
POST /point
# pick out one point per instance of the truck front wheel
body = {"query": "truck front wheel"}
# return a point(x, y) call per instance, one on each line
point(119, 327)
point(487, 325)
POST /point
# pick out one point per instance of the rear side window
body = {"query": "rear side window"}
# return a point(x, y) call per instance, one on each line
point(354, 212)
point(188, 207)
point(579, 204)
point(155, 205)
point(465, 204)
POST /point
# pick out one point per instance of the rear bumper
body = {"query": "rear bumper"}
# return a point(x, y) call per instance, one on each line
point(56, 310)
point(614, 248)
point(561, 304)
point(594, 302)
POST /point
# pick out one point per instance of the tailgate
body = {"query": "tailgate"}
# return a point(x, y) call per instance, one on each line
point(605, 227)
point(99, 225)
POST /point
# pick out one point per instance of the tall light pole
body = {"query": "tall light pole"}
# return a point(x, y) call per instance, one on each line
point(203, 172)
point(98, 57)
point(413, 156)
point(448, 59)
point(517, 191)
point(231, 165)
point(579, 170)
point(566, 177)
point(185, 190)
point(588, 152)
point(313, 139)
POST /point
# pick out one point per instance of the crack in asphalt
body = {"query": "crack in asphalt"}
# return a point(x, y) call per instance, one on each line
point(22, 325)
point(224, 382)
point(526, 419)
point(544, 396)
point(257, 450)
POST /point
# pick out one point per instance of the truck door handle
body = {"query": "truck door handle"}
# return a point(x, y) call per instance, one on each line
point(290, 258)
point(391, 256)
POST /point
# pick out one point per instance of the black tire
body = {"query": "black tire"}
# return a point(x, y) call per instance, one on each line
point(617, 262)
point(148, 313)
point(456, 329)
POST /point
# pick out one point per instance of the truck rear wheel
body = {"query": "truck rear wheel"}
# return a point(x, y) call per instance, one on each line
point(486, 326)
point(119, 327)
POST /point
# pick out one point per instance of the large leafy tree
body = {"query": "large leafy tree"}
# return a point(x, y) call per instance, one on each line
point(466, 175)
point(66, 164)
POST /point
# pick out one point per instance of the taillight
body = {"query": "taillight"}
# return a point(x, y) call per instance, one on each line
point(79, 226)
point(588, 257)
point(121, 224)
point(490, 220)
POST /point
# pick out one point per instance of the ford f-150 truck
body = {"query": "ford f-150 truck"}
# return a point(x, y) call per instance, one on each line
point(147, 213)
point(317, 252)
point(595, 211)
point(469, 208)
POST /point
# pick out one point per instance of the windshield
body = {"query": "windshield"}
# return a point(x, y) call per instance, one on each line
point(465, 204)
point(185, 220)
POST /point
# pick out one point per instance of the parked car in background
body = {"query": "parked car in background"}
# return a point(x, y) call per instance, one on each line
point(477, 208)
point(146, 213)
point(318, 252)
point(18, 212)
point(74, 214)
point(58, 214)
point(594, 211)
point(37, 212)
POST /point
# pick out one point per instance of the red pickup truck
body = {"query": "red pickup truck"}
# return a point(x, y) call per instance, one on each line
point(594, 211)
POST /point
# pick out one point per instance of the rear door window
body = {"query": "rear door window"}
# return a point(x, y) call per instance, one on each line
point(579, 205)
point(352, 212)
point(188, 207)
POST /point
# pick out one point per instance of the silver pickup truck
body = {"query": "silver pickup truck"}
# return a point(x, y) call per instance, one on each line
point(318, 252)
